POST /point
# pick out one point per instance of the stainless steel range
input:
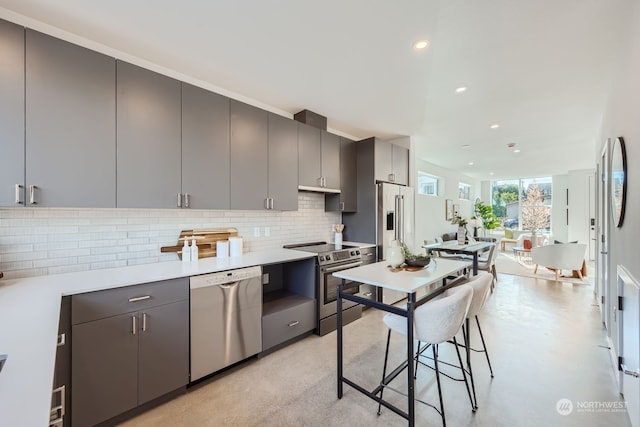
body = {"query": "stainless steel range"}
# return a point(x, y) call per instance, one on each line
point(330, 259)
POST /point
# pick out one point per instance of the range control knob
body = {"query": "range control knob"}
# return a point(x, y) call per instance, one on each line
point(328, 258)
point(358, 252)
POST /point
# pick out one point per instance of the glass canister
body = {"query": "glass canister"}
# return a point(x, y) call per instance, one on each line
point(395, 255)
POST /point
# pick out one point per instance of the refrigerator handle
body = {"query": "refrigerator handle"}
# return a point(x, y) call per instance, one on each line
point(401, 219)
point(398, 216)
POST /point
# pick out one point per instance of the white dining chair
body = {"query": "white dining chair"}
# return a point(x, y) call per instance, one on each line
point(480, 285)
point(488, 263)
point(435, 322)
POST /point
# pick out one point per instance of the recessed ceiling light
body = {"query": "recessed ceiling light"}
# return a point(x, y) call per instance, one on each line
point(422, 44)
point(511, 144)
point(495, 126)
point(470, 163)
point(461, 89)
point(516, 151)
point(491, 173)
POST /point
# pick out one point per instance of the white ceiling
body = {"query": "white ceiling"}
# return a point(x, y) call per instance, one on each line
point(541, 69)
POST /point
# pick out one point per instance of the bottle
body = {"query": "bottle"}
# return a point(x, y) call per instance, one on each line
point(194, 249)
point(186, 251)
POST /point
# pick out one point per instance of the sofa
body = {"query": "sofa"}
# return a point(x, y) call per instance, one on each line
point(558, 257)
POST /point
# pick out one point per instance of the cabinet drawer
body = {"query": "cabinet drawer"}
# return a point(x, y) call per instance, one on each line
point(368, 255)
point(100, 304)
point(283, 325)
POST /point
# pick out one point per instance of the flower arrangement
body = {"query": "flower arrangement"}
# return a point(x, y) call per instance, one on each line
point(462, 222)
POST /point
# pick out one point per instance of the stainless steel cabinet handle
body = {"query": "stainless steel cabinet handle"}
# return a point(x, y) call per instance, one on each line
point(32, 194)
point(626, 371)
point(270, 203)
point(391, 177)
point(134, 299)
point(341, 206)
point(266, 203)
point(18, 194)
point(62, 339)
point(179, 200)
point(294, 323)
point(368, 294)
point(144, 322)
point(186, 200)
point(133, 325)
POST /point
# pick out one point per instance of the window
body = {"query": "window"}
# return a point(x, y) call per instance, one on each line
point(428, 184)
point(464, 191)
point(523, 203)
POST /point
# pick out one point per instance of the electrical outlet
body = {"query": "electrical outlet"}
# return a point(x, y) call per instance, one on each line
point(267, 231)
point(256, 231)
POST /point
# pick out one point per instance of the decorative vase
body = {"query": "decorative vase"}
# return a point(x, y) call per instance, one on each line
point(395, 256)
point(462, 232)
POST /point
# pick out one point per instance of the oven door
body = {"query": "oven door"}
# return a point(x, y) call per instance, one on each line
point(329, 288)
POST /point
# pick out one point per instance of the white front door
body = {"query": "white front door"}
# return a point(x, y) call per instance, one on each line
point(602, 265)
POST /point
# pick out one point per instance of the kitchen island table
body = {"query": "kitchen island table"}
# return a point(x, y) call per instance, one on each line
point(428, 283)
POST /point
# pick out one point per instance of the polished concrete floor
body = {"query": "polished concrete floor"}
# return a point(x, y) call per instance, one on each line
point(546, 343)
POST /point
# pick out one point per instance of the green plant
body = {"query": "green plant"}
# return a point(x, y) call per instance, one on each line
point(462, 222)
point(489, 219)
point(408, 255)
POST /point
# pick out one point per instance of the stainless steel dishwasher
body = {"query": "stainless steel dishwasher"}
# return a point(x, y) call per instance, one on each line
point(226, 319)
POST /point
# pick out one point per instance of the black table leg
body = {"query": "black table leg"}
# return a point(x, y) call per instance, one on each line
point(339, 334)
point(475, 263)
point(410, 366)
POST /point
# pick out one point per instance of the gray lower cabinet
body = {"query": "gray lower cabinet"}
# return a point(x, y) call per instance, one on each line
point(205, 149)
point(129, 346)
point(70, 128)
point(148, 138)
point(11, 114)
point(347, 199)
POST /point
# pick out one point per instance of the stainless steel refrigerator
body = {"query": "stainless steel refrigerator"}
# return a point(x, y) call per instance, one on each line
point(395, 221)
point(394, 216)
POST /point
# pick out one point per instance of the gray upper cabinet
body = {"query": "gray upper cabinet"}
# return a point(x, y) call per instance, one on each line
point(205, 149)
point(347, 200)
point(148, 139)
point(330, 145)
point(283, 163)
point(249, 142)
point(318, 159)
point(11, 114)
point(391, 162)
point(309, 156)
point(70, 125)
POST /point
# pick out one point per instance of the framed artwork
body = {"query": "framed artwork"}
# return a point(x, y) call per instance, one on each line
point(448, 206)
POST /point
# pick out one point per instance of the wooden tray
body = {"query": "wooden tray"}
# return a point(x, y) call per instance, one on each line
point(405, 267)
point(205, 240)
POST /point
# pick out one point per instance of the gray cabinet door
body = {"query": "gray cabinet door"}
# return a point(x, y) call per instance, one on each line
point(104, 369)
point(249, 140)
point(348, 175)
point(283, 163)
point(148, 138)
point(205, 148)
point(70, 124)
point(309, 156)
point(163, 350)
point(400, 164)
point(383, 168)
point(330, 154)
point(11, 113)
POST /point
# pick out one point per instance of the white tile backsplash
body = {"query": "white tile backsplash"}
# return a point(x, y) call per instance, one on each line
point(41, 241)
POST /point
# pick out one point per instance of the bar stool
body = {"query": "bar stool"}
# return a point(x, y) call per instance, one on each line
point(481, 283)
point(435, 322)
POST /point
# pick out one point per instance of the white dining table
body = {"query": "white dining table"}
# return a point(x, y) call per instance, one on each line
point(428, 282)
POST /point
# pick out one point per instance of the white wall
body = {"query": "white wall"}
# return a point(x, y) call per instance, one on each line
point(430, 210)
point(579, 205)
point(559, 208)
point(41, 241)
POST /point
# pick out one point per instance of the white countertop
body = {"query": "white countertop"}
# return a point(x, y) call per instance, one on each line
point(379, 274)
point(29, 313)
